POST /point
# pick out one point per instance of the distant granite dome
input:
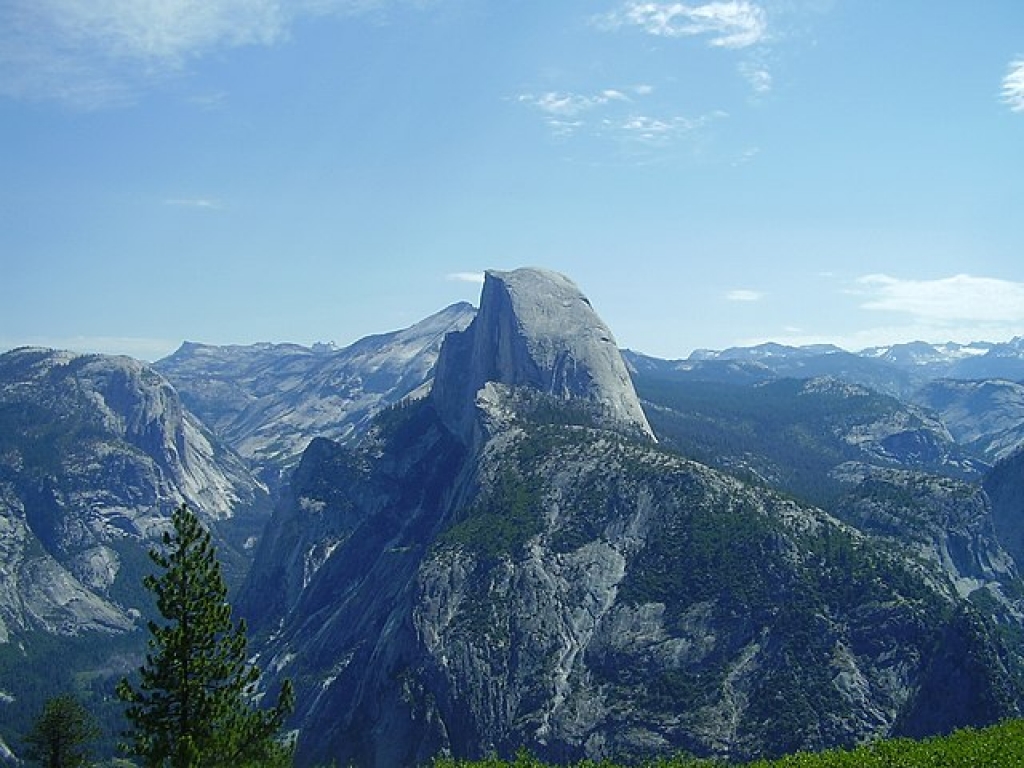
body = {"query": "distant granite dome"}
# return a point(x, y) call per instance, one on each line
point(536, 329)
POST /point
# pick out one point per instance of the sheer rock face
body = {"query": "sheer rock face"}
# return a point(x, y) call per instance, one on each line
point(1005, 487)
point(536, 329)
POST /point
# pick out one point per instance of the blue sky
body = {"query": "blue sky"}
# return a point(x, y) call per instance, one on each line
point(709, 173)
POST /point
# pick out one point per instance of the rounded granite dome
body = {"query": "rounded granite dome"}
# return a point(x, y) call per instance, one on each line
point(536, 329)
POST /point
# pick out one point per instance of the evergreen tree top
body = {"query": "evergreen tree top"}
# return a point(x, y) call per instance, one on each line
point(194, 703)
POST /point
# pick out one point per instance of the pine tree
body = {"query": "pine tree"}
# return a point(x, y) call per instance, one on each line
point(61, 735)
point(194, 703)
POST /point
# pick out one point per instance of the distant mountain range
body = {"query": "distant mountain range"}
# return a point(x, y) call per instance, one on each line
point(898, 369)
point(493, 529)
point(975, 393)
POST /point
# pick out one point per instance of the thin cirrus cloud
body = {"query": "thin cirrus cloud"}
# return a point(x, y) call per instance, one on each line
point(1013, 86)
point(759, 78)
point(744, 295)
point(730, 24)
point(95, 54)
point(566, 105)
point(659, 131)
point(957, 299)
point(739, 25)
point(199, 203)
point(563, 111)
point(613, 113)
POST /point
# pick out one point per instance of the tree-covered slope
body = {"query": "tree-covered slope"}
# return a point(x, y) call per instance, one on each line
point(792, 433)
point(584, 594)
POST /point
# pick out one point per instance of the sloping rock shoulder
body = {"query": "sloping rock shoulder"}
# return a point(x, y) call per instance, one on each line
point(535, 328)
point(269, 400)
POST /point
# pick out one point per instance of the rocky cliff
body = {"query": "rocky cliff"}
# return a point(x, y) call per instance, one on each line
point(986, 416)
point(1005, 487)
point(512, 561)
point(536, 329)
point(94, 453)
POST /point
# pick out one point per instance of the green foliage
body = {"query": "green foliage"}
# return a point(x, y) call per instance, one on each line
point(62, 734)
point(764, 431)
point(89, 667)
point(731, 560)
point(993, 747)
point(724, 547)
point(402, 417)
point(193, 705)
point(508, 511)
point(776, 433)
point(502, 521)
point(41, 436)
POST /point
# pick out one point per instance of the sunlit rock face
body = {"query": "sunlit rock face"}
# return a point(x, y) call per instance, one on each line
point(536, 329)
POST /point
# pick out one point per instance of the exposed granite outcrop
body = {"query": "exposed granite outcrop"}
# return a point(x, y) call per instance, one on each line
point(536, 329)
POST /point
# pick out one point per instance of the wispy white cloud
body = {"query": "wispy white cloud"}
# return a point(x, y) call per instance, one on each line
point(650, 129)
point(728, 24)
point(91, 54)
point(744, 294)
point(746, 156)
point(562, 104)
point(949, 300)
point(759, 78)
point(563, 110)
point(101, 52)
point(732, 24)
point(620, 114)
point(202, 203)
point(477, 278)
point(653, 130)
point(1013, 86)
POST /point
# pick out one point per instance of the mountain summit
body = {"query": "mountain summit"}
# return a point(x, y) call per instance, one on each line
point(511, 562)
point(536, 329)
